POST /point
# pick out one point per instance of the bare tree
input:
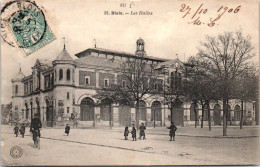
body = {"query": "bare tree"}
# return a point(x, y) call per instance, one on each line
point(137, 83)
point(228, 54)
point(199, 87)
point(246, 88)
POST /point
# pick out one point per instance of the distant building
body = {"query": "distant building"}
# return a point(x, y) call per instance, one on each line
point(58, 89)
point(6, 113)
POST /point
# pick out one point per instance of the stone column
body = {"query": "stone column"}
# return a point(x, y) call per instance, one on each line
point(115, 115)
point(97, 79)
point(133, 113)
point(167, 113)
point(148, 114)
point(96, 116)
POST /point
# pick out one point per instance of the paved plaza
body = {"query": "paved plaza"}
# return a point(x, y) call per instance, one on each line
point(104, 146)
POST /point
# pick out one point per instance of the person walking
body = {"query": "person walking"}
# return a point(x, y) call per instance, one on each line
point(22, 130)
point(172, 128)
point(133, 132)
point(67, 129)
point(16, 129)
point(35, 128)
point(126, 132)
point(142, 131)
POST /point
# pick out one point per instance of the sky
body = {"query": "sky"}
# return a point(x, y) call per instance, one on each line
point(166, 33)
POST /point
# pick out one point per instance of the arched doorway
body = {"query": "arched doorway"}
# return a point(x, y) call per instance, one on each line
point(106, 110)
point(178, 113)
point(124, 114)
point(205, 113)
point(142, 110)
point(38, 108)
point(237, 114)
point(87, 109)
point(31, 104)
point(26, 111)
point(216, 115)
point(192, 112)
point(49, 113)
point(228, 115)
point(156, 114)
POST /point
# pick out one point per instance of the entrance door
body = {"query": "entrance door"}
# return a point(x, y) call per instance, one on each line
point(216, 115)
point(124, 115)
point(156, 111)
point(142, 111)
point(87, 109)
point(178, 113)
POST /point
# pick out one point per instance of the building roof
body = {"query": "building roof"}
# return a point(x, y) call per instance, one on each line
point(98, 61)
point(119, 53)
point(64, 55)
point(44, 62)
point(170, 63)
point(140, 40)
point(19, 75)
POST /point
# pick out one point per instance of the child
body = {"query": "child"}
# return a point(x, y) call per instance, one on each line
point(16, 130)
point(133, 133)
point(172, 128)
point(142, 131)
point(67, 129)
point(22, 130)
point(126, 132)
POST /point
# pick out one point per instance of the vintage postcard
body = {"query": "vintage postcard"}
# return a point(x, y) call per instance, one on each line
point(129, 82)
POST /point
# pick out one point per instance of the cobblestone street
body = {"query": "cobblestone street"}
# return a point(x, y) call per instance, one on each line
point(193, 146)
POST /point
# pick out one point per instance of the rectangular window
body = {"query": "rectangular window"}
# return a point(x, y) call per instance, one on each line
point(123, 84)
point(68, 95)
point(106, 82)
point(87, 80)
point(73, 101)
point(68, 110)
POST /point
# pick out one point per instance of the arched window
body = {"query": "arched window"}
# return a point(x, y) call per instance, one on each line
point(68, 74)
point(16, 89)
point(61, 74)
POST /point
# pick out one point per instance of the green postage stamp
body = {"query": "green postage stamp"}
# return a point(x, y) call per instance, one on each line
point(27, 26)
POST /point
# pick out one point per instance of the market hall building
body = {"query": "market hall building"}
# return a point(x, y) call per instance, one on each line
point(58, 89)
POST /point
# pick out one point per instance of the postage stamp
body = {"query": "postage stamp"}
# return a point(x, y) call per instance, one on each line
point(26, 23)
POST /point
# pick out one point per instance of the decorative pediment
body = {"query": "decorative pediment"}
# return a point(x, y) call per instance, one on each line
point(173, 64)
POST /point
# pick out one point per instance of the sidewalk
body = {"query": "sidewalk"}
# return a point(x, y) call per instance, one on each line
point(189, 131)
point(216, 131)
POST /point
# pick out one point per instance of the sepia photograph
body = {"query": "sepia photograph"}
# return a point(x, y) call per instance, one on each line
point(129, 82)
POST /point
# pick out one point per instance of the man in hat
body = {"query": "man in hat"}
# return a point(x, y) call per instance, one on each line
point(172, 128)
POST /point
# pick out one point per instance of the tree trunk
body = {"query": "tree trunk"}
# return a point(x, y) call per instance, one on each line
point(227, 115)
point(196, 114)
point(202, 115)
point(242, 114)
point(137, 114)
point(172, 105)
point(209, 117)
point(224, 116)
point(110, 116)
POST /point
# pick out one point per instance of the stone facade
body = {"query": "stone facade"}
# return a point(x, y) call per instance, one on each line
point(62, 87)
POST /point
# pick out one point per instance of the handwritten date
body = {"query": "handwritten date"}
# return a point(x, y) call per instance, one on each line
point(200, 11)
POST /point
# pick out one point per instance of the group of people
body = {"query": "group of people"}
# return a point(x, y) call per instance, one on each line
point(35, 128)
point(21, 129)
point(142, 129)
point(133, 132)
